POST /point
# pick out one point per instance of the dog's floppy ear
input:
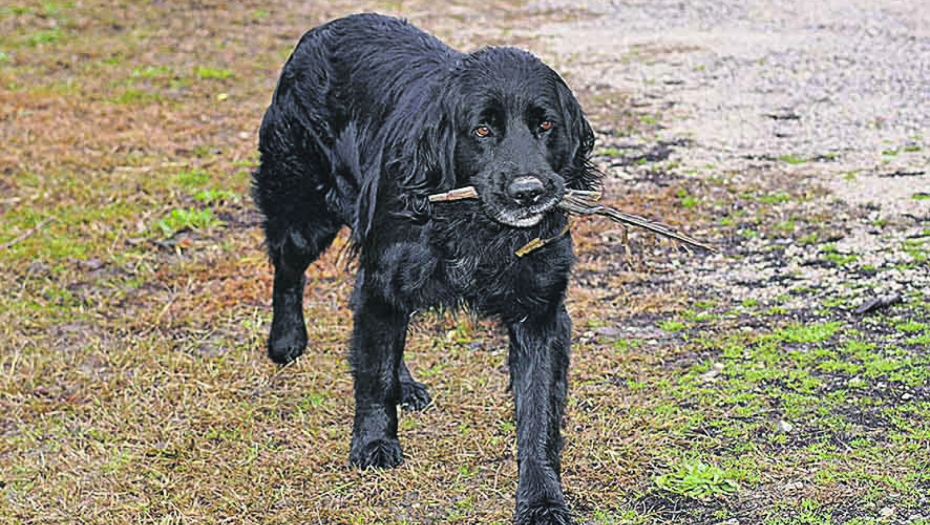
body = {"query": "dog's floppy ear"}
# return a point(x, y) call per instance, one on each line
point(427, 162)
point(582, 174)
point(416, 159)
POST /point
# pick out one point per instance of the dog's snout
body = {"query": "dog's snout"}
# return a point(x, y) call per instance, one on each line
point(526, 190)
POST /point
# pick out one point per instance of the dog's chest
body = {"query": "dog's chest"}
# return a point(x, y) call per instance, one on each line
point(487, 274)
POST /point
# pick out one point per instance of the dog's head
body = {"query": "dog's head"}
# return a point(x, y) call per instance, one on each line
point(521, 138)
point(501, 121)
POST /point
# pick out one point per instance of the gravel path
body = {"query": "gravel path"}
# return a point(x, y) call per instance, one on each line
point(833, 94)
point(839, 79)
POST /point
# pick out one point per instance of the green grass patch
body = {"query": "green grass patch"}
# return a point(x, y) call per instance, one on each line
point(216, 197)
point(186, 219)
point(912, 326)
point(40, 38)
point(612, 152)
point(686, 200)
point(193, 179)
point(841, 259)
point(152, 72)
point(696, 479)
point(672, 325)
point(807, 333)
point(209, 73)
point(809, 239)
point(917, 249)
point(775, 198)
point(130, 96)
point(62, 232)
point(15, 10)
point(792, 159)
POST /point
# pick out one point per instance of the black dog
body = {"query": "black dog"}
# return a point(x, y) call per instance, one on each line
point(369, 117)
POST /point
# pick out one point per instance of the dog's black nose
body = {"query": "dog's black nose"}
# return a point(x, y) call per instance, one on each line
point(526, 190)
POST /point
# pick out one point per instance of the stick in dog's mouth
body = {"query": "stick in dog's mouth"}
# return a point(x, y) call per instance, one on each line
point(580, 202)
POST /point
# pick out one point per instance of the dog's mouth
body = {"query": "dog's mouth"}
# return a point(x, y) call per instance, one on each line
point(522, 216)
point(520, 201)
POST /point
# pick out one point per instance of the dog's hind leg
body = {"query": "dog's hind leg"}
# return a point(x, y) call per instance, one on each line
point(291, 254)
point(290, 188)
point(298, 228)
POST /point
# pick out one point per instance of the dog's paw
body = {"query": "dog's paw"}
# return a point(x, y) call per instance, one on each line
point(380, 453)
point(286, 344)
point(543, 514)
point(414, 396)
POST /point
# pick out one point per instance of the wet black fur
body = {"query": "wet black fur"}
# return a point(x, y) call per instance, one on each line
point(370, 116)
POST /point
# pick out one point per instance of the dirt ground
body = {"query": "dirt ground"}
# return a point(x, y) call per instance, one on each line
point(784, 380)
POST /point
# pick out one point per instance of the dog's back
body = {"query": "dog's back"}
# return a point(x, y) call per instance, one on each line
point(339, 87)
point(348, 86)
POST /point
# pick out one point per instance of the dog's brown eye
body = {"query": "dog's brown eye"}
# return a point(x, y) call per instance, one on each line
point(482, 131)
point(545, 125)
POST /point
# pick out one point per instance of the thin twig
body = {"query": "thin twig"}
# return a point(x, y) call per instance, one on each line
point(28, 233)
point(580, 202)
point(468, 192)
point(146, 169)
point(582, 206)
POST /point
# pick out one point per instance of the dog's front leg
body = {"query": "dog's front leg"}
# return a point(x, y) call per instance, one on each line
point(378, 338)
point(539, 354)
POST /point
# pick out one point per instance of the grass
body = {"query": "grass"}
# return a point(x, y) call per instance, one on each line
point(40, 38)
point(686, 200)
point(136, 300)
point(807, 333)
point(792, 159)
point(186, 219)
point(695, 479)
point(209, 73)
point(775, 198)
